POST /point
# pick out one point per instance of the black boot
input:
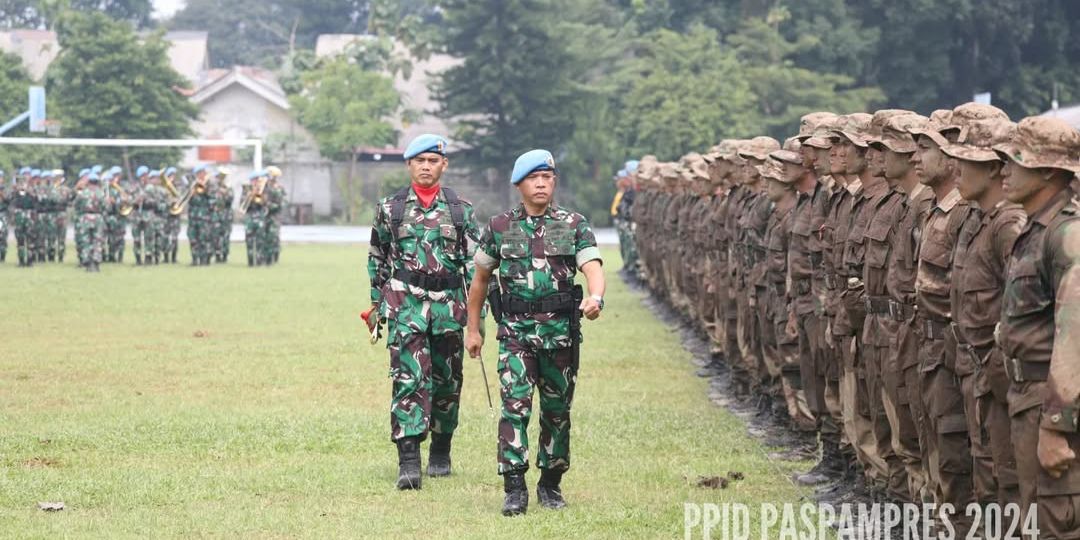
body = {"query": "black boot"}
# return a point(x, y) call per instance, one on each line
point(59, 257)
point(408, 463)
point(517, 495)
point(138, 260)
point(826, 470)
point(548, 491)
point(439, 456)
point(251, 260)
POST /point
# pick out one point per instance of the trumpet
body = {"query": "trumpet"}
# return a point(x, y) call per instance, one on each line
point(125, 208)
point(254, 196)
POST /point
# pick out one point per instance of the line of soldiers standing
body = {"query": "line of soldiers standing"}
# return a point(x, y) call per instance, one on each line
point(153, 205)
point(889, 285)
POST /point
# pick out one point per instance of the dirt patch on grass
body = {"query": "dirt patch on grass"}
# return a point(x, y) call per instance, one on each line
point(41, 462)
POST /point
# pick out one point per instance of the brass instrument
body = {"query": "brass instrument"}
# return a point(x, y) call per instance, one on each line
point(254, 196)
point(179, 206)
point(125, 208)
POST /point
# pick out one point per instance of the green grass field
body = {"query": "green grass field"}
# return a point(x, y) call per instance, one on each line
point(231, 402)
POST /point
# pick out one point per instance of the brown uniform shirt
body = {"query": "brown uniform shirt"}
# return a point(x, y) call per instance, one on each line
point(819, 215)
point(854, 258)
point(982, 252)
point(886, 213)
point(800, 261)
point(839, 225)
point(904, 256)
point(777, 238)
point(1040, 260)
point(933, 283)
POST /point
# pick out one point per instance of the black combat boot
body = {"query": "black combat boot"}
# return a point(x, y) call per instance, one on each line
point(408, 463)
point(548, 491)
point(517, 494)
point(251, 260)
point(138, 260)
point(59, 257)
point(3, 255)
point(828, 469)
point(172, 256)
point(22, 258)
point(439, 456)
point(52, 257)
point(120, 257)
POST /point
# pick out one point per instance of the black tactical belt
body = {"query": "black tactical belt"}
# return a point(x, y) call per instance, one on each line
point(877, 305)
point(933, 329)
point(801, 286)
point(427, 282)
point(553, 303)
point(901, 312)
point(1021, 371)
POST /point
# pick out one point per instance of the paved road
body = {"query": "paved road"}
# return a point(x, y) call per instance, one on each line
point(335, 234)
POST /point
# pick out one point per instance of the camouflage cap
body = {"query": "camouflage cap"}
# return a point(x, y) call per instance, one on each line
point(940, 122)
point(822, 135)
point(787, 156)
point(646, 168)
point(692, 167)
point(896, 133)
point(668, 171)
point(792, 144)
point(811, 123)
point(977, 140)
point(726, 146)
point(771, 169)
point(854, 127)
point(878, 121)
point(1043, 142)
point(759, 148)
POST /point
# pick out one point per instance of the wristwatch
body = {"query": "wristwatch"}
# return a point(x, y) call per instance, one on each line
point(599, 301)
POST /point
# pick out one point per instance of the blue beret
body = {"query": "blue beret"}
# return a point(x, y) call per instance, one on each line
point(84, 172)
point(143, 169)
point(46, 174)
point(96, 169)
point(531, 161)
point(93, 177)
point(631, 166)
point(25, 170)
point(200, 168)
point(621, 173)
point(35, 173)
point(170, 171)
point(116, 169)
point(154, 173)
point(425, 143)
point(254, 174)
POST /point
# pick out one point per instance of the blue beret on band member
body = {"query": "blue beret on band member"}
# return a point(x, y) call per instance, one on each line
point(425, 143)
point(530, 162)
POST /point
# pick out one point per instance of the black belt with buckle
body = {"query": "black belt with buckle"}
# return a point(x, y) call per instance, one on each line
point(877, 305)
point(553, 303)
point(1021, 371)
point(429, 282)
point(900, 311)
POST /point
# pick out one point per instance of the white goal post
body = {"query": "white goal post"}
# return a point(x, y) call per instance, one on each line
point(257, 144)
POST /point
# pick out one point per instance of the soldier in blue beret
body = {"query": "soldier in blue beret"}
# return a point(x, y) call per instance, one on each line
point(419, 264)
point(538, 247)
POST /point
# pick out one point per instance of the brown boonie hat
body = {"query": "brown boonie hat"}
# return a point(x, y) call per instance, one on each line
point(693, 167)
point(896, 133)
point(668, 171)
point(940, 122)
point(787, 156)
point(759, 148)
point(878, 121)
point(647, 168)
point(726, 146)
point(977, 140)
point(854, 127)
point(1043, 142)
point(772, 169)
point(811, 123)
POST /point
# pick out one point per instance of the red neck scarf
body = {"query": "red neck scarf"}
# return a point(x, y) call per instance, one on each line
point(426, 194)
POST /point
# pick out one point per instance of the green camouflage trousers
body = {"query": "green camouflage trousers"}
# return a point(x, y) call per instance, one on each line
point(627, 247)
point(3, 234)
point(170, 234)
point(40, 232)
point(254, 237)
point(24, 231)
point(145, 235)
point(55, 233)
point(115, 227)
point(90, 237)
point(270, 240)
point(554, 373)
point(426, 374)
point(199, 233)
point(221, 230)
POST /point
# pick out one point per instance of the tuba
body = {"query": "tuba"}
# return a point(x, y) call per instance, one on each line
point(125, 208)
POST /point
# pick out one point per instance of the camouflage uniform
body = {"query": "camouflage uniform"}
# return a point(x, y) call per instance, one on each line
point(40, 227)
point(254, 225)
point(275, 203)
point(146, 223)
point(222, 218)
point(199, 226)
point(5, 202)
point(170, 232)
point(537, 259)
point(424, 320)
point(115, 224)
point(24, 203)
point(90, 203)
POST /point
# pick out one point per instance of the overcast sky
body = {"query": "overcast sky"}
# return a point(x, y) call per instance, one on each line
point(165, 8)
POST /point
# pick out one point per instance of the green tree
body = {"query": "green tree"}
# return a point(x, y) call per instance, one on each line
point(345, 108)
point(685, 93)
point(109, 83)
point(511, 90)
point(14, 82)
point(45, 13)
